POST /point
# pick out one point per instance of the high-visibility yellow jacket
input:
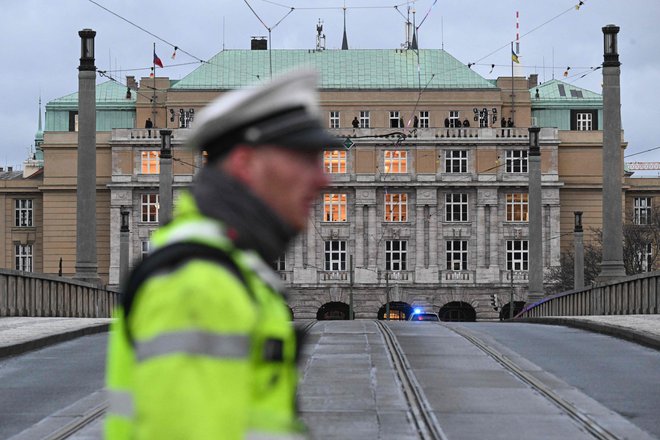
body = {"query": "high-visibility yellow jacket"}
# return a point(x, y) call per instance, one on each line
point(204, 353)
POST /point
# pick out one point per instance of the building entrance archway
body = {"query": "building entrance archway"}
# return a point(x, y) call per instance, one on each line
point(517, 308)
point(457, 311)
point(399, 311)
point(333, 311)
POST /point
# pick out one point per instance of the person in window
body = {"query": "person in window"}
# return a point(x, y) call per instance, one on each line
point(466, 123)
point(202, 345)
point(148, 125)
point(356, 123)
point(509, 122)
point(446, 122)
point(503, 122)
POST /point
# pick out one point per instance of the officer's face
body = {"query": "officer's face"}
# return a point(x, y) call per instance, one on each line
point(288, 180)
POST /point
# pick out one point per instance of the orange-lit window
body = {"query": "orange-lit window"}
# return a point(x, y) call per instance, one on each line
point(150, 162)
point(334, 207)
point(334, 161)
point(517, 207)
point(396, 207)
point(396, 161)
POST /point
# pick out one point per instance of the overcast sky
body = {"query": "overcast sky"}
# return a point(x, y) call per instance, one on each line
point(39, 45)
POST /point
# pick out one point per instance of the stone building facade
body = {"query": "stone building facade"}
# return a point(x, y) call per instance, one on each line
point(428, 200)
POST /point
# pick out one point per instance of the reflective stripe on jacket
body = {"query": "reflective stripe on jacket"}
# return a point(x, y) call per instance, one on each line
point(211, 358)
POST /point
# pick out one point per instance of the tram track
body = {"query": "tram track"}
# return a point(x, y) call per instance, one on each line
point(581, 418)
point(421, 413)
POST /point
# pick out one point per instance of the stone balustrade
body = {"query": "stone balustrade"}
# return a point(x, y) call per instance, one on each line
point(30, 294)
point(638, 294)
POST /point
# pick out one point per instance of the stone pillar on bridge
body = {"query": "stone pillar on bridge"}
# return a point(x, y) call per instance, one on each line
point(578, 262)
point(165, 183)
point(86, 259)
point(124, 237)
point(612, 265)
point(535, 218)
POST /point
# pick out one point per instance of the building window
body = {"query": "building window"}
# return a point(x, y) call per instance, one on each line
point(73, 121)
point(517, 207)
point(395, 119)
point(335, 255)
point(516, 161)
point(454, 118)
point(364, 119)
point(334, 207)
point(457, 254)
point(646, 257)
point(280, 262)
point(456, 161)
point(150, 162)
point(334, 119)
point(146, 247)
point(642, 210)
point(396, 207)
point(23, 213)
point(456, 207)
point(23, 257)
point(334, 161)
point(516, 254)
point(396, 161)
point(584, 121)
point(150, 208)
point(395, 254)
point(424, 120)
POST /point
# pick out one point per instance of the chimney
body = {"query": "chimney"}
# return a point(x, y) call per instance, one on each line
point(131, 83)
point(259, 43)
point(533, 80)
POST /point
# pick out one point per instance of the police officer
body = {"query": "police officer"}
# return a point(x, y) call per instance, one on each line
point(203, 346)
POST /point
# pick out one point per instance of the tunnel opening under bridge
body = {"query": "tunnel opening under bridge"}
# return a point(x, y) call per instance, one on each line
point(333, 311)
point(457, 311)
point(399, 311)
point(517, 308)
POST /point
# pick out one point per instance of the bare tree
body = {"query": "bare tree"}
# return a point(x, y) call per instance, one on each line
point(561, 278)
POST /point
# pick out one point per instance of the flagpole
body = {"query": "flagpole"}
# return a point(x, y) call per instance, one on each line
point(513, 116)
point(153, 95)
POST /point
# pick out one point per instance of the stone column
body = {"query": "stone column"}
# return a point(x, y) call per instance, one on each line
point(612, 265)
point(86, 262)
point(535, 272)
point(359, 235)
point(578, 264)
point(165, 195)
point(124, 237)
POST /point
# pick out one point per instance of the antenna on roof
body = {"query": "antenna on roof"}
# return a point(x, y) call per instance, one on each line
point(344, 41)
point(320, 36)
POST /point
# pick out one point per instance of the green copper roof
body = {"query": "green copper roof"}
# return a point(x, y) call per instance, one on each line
point(555, 90)
point(108, 94)
point(339, 69)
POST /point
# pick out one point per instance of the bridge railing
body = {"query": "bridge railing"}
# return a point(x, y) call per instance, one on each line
point(30, 294)
point(634, 295)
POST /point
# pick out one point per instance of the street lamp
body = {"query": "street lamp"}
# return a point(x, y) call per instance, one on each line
point(87, 49)
point(578, 245)
point(610, 49)
point(578, 221)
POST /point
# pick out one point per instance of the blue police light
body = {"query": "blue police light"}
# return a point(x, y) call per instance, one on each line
point(418, 310)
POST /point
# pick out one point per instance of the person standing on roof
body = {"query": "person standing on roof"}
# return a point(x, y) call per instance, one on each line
point(203, 346)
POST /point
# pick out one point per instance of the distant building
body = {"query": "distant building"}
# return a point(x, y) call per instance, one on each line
point(432, 215)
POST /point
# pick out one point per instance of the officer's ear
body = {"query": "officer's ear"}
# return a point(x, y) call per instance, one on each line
point(239, 162)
